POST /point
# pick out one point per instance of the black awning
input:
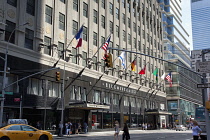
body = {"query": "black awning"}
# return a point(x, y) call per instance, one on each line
point(87, 106)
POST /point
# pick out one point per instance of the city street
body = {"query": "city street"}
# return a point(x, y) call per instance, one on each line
point(135, 135)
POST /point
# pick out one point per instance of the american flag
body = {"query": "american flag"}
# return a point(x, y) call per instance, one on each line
point(106, 44)
point(169, 78)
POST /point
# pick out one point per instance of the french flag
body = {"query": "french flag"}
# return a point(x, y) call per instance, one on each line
point(78, 37)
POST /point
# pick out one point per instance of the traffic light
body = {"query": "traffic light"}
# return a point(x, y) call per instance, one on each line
point(208, 105)
point(108, 60)
point(58, 77)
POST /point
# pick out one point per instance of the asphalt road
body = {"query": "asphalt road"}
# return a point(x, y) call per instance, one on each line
point(135, 135)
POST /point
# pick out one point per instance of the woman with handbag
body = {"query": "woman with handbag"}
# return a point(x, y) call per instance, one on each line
point(117, 131)
point(126, 134)
point(196, 131)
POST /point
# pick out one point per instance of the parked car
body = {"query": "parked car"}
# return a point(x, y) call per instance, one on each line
point(181, 128)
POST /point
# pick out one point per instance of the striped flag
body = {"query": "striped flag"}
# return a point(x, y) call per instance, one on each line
point(133, 65)
point(169, 78)
point(106, 44)
point(78, 37)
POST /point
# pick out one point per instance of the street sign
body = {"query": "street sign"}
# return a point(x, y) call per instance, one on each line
point(206, 85)
point(203, 67)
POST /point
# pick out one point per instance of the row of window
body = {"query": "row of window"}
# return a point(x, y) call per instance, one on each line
point(30, 6)
point(79, 94)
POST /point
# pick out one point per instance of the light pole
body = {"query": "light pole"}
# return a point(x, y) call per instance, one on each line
point(4, 75)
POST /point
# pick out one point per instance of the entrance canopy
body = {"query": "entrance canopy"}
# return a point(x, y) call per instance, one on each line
point(87, 106)
point(157, 112)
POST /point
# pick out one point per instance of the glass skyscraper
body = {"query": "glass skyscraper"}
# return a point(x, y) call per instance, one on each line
point(200, 24)
point(182, 97)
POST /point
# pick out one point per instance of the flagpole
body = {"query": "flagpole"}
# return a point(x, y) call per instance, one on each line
point(99, 79)
point(154, 90)
point(66, 48)
point(80, 73)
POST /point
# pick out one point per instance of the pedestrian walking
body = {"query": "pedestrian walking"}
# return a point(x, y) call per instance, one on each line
point(116, 129)
point(85, 127)
point(68, 130)
point(60, 127)
point(196, 131)
point(38, 125)
point(126, 134)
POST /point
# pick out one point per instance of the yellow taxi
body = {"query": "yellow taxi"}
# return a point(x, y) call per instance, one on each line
point(23, 132)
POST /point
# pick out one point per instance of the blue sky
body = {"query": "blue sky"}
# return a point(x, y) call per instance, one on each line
point(186, 19)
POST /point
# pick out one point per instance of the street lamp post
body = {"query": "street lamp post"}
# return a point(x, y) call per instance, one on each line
point(4, 75)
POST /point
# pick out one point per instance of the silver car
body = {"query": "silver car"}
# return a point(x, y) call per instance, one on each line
point(181, 128)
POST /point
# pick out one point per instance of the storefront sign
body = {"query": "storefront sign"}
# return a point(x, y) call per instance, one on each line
point(118, 87)
point(89, 106)
point(98, 106)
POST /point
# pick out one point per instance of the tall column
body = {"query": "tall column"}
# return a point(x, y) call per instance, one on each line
point(39, 24)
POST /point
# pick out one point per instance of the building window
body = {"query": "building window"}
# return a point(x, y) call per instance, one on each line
point(48, 14)
point(139, 31)
point(79, 94)
point(12, 2)
point(75, 27)
point(62, 21)
point(129, 23)
point(117, 31)
point(123, 3)
point(95, 38)
point(94, 63)
point(134, 42)
point(29, 36)
point(83, 94)
point(84, 56)
point(134, 27)
point(95, 15)
point(107, 98)
point(103, 21)
point(30, 8)
point(139, 61)
point(85, 9)
point(111, 8)
point(85, 33)
point(62, 1)
point(129, 7)
point(96, 1)
point(126, 102)
point(124, 36)
point(8, 30)
point(110, 26)
point(150, 39)
point(143, 33)
point(74, 52)
point(102, 40)
point(96, 96)
point(47, 45)
point(129, 39)
point(117, 13)
point(139, 44)
point(72, 94)
point(123, 18)
point(60, 50)
point(103, 4)
point(75, 5)
point(115, 99)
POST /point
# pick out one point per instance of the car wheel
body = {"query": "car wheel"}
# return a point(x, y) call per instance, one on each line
point(4, 138)
point(43, 137)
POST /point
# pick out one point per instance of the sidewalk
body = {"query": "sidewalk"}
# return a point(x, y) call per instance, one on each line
point(104, 133)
